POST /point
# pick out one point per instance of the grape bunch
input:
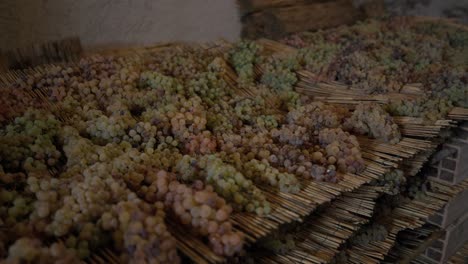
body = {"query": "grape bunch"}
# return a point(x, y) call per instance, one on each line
point(32, 250)
point(342, 150)
point(373, 120)
point(279, 73)
point(144, 233)
point(165, 85)
point(207, 213)
point(262, 171)
point(393, 182)
point(227, 182)
point(316, 116)
point(242, 58)
point(29, 142)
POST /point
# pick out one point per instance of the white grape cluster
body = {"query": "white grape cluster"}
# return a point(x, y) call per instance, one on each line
point(14, 207)
point(229, 142)
point(29, 143)
point(143, 133)
point(210, 87)
point(32, 250)
point(203, 143)
point(197, 206)
point(430, 109)
point(342, 150)
point(279, 73)
point(160, 117)
point(247, 109)
point(316, 116)
point(164, 84)
point(417, 188)
point(393, 181)
point(145, 235)
point(222, 118)
point(292, 134)
point(266, 122)
point(111, 129)
point(189, 119)
point(318, 56)
point(9, 178)
point(228, 183)
point(307, 163)
point(48, 192)
point(262, 171)
point(373, 120)
point(242, 58)
point(457, 94)
point(207, 213)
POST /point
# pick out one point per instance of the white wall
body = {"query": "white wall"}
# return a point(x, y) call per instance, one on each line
point(116, 22)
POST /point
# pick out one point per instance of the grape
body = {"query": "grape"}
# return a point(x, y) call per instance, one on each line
point(262, 171)
point(96, 153)
point(164, 84)
point(430, 109)
point(393, 181)
point(32, 250)
point(145, 236)
point(209, 86)
point(208, 214)
point(291, 134)
point(202, 143)
point(371, 119)
point(316, 116)
point(113, 128)
point(247, 109)
point(28, 143)
point(242, 58)
point(227, 181)
point(318, 56)
point(342, 147)
point(279, 72)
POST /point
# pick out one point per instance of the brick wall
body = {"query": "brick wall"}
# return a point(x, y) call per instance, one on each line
point(453, 238)
point(452, 168)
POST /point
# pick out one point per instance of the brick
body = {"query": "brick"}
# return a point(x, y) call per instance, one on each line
point(456, 236)
point(453, 237)
point(455, 209)
point(434, 254)
point(461, 134)
point(446, 176)
point(452, 149)
point(438, 244)
point(451, 158)
point(449, 164)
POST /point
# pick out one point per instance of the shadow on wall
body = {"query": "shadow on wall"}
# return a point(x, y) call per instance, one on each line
point(116, 23)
